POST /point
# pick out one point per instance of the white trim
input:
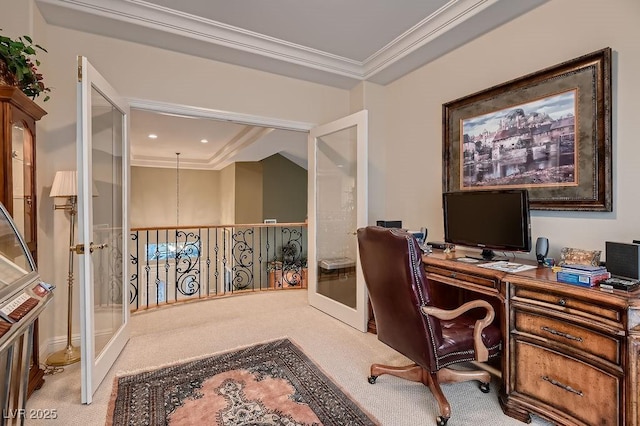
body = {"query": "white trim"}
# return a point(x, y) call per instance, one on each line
point(426, 31)
point(195, 27)
point(236, 117)
point(166, 20)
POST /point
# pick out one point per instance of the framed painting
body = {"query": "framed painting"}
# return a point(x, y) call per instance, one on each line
point(548, 132)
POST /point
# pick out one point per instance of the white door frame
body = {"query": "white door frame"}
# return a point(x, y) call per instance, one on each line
point(94, 369)
point(191, 111)
point(358, 317)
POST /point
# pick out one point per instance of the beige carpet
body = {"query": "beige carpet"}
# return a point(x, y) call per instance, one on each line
point(196, 329)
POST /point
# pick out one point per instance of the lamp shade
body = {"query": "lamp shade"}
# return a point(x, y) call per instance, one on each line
point(65, 184)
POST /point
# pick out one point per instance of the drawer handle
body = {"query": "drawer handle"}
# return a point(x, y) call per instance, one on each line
point(561, 334)
point(453, 275)
point(562, 386)
point(562, 302)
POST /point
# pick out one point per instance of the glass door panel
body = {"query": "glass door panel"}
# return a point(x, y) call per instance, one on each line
point(106, 157)
point(336, 167)
point(337, 208)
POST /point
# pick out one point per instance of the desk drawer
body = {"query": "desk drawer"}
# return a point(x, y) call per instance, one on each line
point(570, 386)
point(565, 302)
point(566, 333)
point(469, 278)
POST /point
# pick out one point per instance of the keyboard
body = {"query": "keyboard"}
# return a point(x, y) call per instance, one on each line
point(620, 283)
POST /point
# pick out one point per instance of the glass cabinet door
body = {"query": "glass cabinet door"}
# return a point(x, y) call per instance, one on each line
point(22, 168)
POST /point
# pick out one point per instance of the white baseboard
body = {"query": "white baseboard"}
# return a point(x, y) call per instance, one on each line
point(55, 344)
point(58, 343)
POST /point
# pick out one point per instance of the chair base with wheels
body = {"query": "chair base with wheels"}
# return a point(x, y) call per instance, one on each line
point(415, 373)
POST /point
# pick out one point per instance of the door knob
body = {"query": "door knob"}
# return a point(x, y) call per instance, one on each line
point(93, 247)
point(79, 248)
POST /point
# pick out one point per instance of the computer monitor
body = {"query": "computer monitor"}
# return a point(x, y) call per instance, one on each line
point(488, 219)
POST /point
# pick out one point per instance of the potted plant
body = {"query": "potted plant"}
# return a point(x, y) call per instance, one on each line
point(289, 270)
point(18, 66)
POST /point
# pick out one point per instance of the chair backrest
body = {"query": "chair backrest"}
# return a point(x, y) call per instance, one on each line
point(397, 284)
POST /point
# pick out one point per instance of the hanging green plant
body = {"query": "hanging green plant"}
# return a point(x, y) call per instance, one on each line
point(18, 66)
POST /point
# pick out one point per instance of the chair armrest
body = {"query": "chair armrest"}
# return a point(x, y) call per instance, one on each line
point(482, 353)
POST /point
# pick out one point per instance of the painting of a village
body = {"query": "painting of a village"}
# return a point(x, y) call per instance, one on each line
point(528, 145)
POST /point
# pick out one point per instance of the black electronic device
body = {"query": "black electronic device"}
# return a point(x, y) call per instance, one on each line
point(619, 284)
point(490, 220)
point(389, 223)
point(623, 259)
point(542, 248)
point(440, 245)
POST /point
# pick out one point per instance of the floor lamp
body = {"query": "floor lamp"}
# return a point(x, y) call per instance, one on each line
point(65, 184)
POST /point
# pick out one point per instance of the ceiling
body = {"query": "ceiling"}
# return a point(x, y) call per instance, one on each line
point(333, 42)
point(227, 142)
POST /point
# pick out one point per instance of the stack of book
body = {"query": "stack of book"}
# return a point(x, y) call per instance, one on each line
point(583, 275)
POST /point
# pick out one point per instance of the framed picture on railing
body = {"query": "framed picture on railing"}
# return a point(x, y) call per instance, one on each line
point(548, 132)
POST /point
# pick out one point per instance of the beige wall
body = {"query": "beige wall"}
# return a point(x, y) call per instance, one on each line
point(154, 194)
point(248, 192)
point(553, 33)
point(236, 193)
point(372, 97)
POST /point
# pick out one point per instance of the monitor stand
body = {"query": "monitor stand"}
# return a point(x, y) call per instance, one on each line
point(488, 255)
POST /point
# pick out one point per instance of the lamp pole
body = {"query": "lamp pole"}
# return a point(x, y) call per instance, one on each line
point(70, 354)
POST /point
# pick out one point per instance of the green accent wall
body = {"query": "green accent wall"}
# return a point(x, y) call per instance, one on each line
point(284, 190)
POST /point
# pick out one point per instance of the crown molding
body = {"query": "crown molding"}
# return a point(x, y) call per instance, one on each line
point(158, 18)
point(426, 31)
point(167, 20)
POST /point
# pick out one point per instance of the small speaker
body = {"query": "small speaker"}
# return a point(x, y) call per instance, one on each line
point(623, 260)
point(542, 248)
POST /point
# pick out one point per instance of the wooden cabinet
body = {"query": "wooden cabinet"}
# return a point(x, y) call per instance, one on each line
point(567, 350)
point(18, 116)
point(570, 354)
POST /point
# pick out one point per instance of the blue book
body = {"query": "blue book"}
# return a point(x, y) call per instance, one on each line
point(581, 279)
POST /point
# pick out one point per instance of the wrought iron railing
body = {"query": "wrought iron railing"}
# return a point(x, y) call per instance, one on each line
point(169, 265)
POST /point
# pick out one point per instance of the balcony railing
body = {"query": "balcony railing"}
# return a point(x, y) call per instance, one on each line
point(169, 265)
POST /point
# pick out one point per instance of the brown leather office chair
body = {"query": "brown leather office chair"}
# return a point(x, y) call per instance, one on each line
point(406, 321)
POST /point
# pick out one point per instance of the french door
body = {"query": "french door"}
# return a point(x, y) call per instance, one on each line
point(103, 228)
point(337, 207)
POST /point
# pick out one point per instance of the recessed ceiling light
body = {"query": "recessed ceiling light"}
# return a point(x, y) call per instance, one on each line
point(153, 136)
point(204, 141)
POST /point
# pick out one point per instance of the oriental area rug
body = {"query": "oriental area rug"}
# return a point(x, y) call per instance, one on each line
point(272, 383)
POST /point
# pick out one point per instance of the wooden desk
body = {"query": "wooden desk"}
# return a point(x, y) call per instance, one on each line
point(571, 354)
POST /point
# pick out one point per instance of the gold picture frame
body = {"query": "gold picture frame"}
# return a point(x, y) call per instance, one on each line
point(548, 132)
